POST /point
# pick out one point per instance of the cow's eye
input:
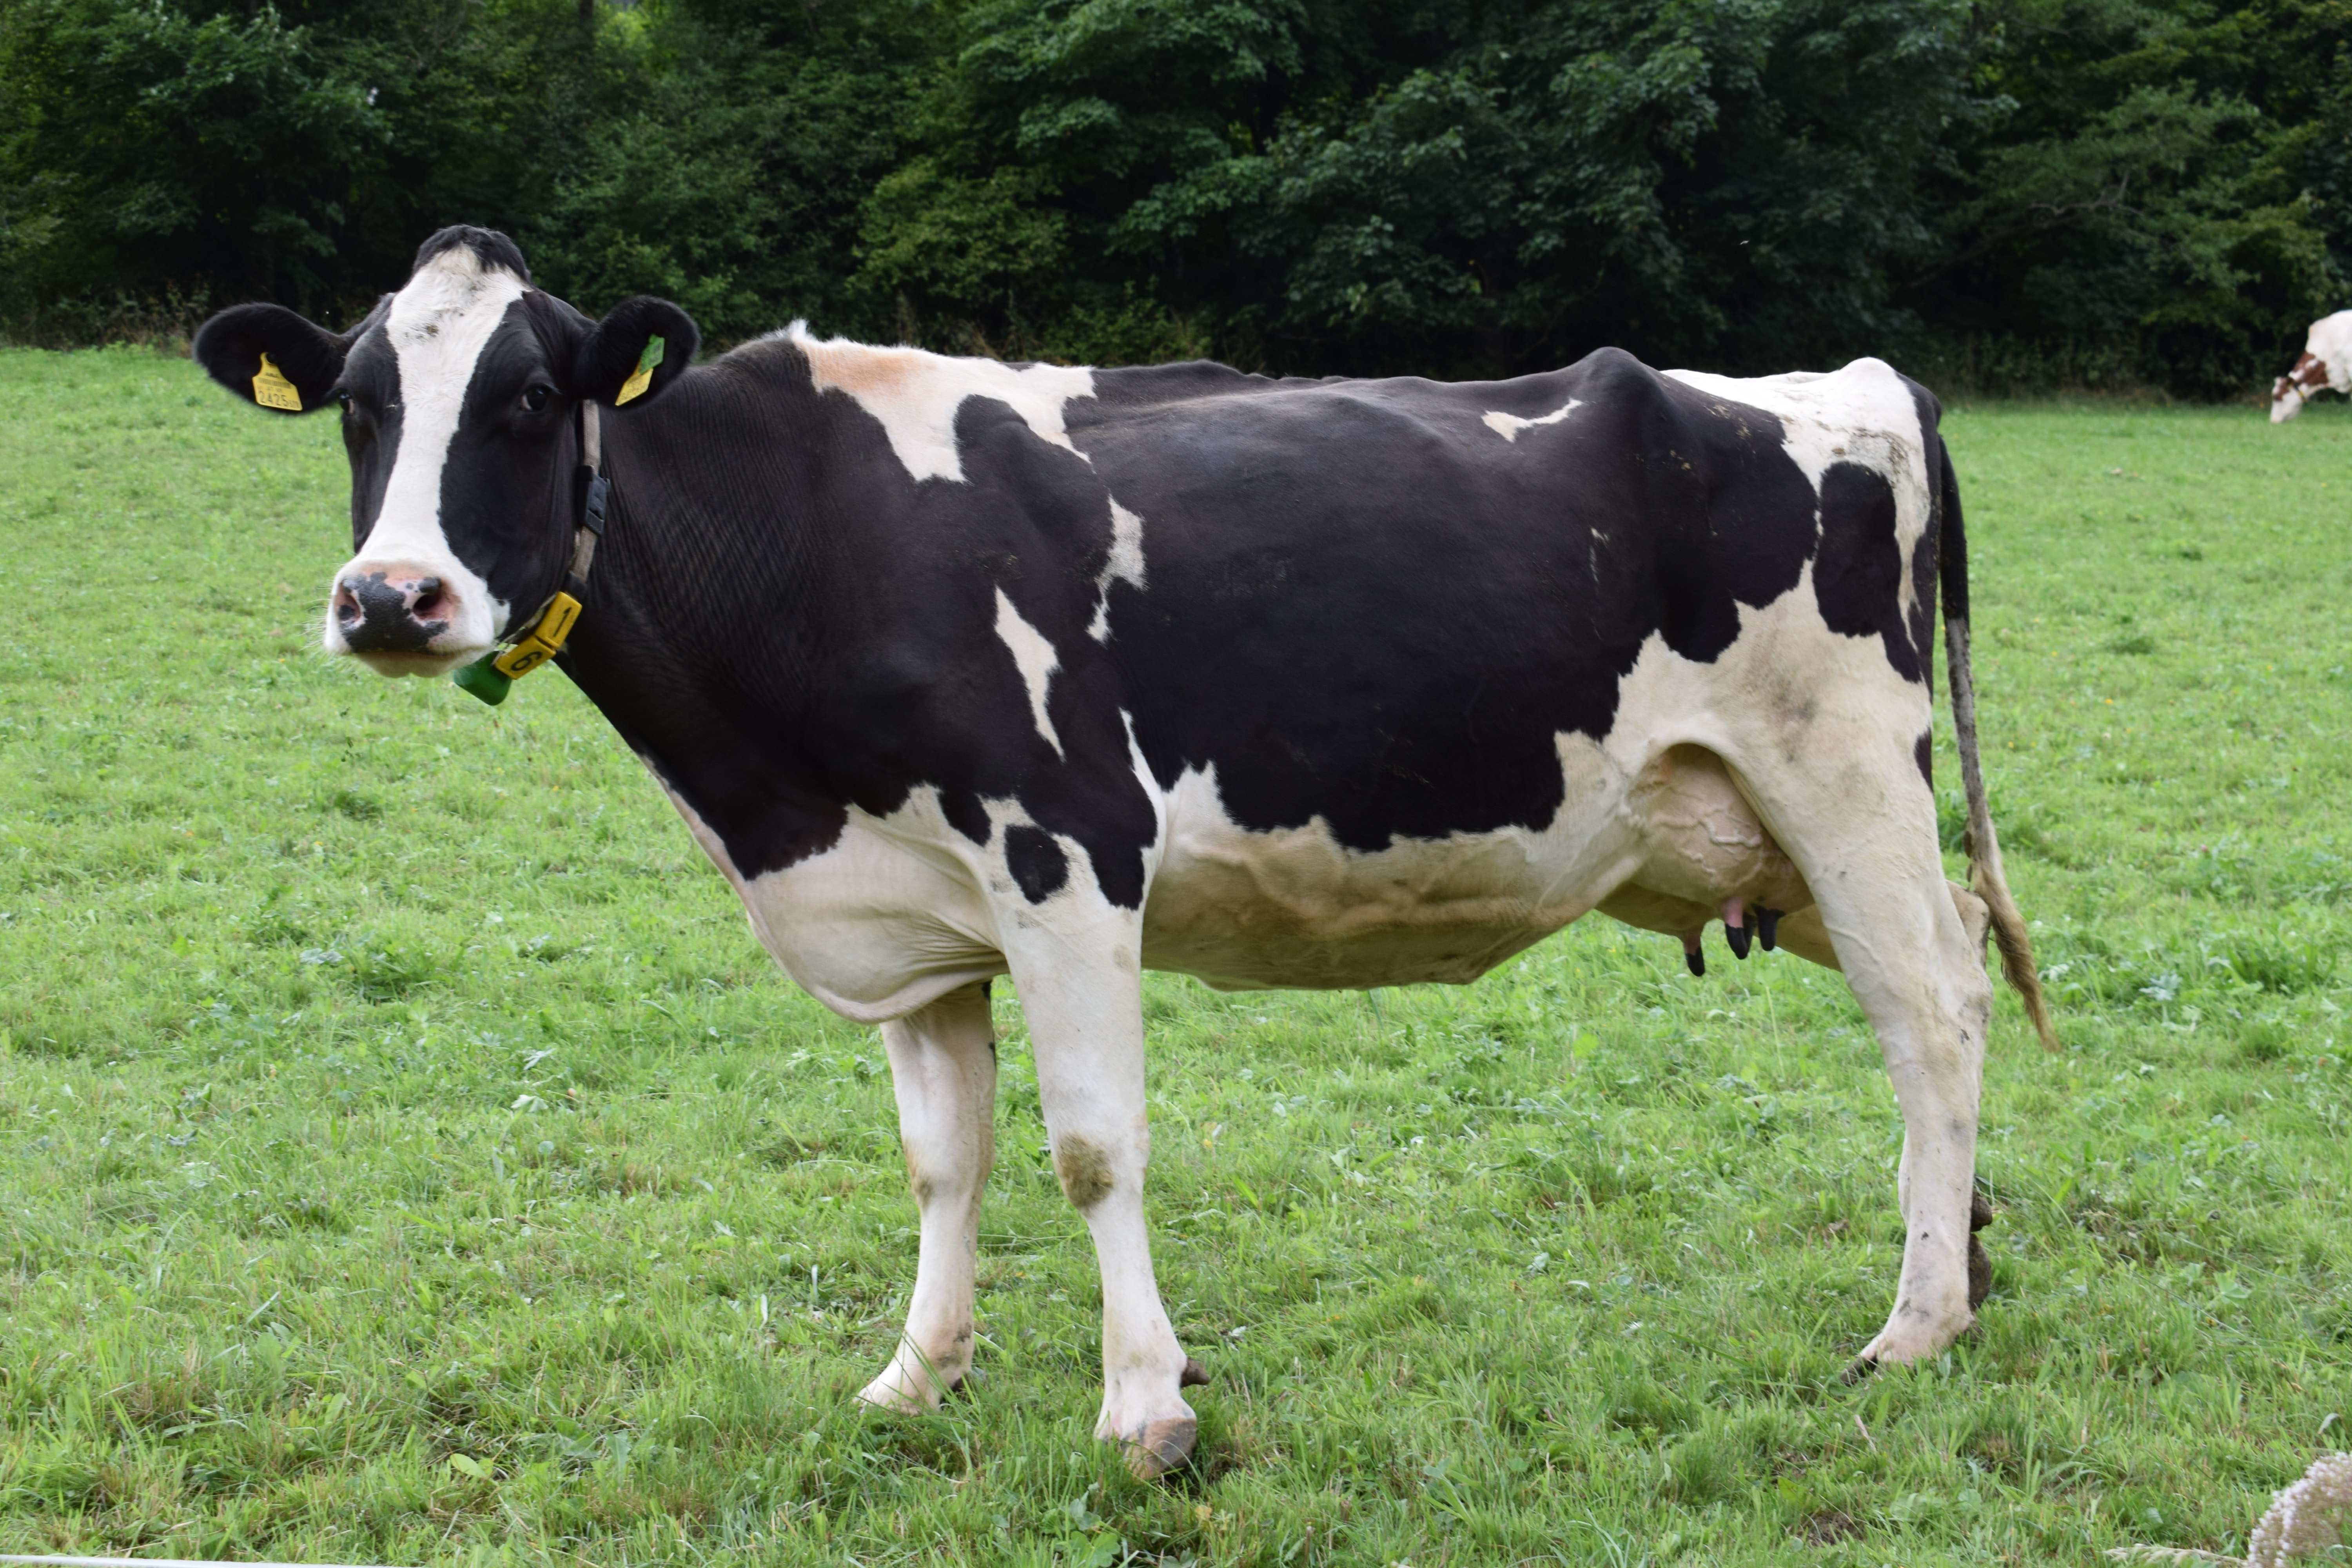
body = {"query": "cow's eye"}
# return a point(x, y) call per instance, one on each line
point(343, 400)
point(536, 398)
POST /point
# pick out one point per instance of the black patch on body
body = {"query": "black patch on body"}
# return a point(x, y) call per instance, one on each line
point(1037, 862)
point(1858, 576)
point(1923, 752)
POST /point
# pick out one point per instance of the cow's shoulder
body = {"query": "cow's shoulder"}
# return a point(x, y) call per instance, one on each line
point(916, 397)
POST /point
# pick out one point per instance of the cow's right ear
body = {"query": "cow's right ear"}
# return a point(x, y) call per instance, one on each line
point(636, 351)
point(270, 355)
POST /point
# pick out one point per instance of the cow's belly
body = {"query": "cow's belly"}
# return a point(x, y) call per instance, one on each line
point(1293, 908)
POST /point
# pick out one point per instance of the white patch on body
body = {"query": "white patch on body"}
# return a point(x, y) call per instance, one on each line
point(915, 395)
point(1125, 566)
point(896, 914)
point(437, 326)
point(1508, 426)
point(1863, 415)
point(1246, 909)
point(1036, 660)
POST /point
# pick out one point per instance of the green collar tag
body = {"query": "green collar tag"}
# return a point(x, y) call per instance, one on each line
point(484, 680)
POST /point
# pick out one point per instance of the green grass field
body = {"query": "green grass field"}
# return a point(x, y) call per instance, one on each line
point(407, 1155)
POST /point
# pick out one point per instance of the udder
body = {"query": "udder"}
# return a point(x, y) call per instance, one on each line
point(1706, 855)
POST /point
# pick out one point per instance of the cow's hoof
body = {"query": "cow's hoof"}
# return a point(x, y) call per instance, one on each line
point(902, 1389)
point(1166, 1443)
point(886, 1392)
point(1910, 1342)
point(1194, 1376)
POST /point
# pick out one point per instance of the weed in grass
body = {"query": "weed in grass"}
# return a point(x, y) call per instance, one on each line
point(407, 1156)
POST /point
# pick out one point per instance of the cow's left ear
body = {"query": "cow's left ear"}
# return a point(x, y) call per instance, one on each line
point(636, 351)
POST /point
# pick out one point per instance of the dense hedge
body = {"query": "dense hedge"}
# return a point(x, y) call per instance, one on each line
point(2038, 191)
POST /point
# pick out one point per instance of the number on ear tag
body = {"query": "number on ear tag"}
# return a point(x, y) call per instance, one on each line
point(272, 390)
point(643, 376)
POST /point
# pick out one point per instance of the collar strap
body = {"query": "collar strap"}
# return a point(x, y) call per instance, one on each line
point(543, 636)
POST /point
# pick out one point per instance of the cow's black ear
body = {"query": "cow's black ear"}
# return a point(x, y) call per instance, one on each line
point(302, 361)
point(637, 350)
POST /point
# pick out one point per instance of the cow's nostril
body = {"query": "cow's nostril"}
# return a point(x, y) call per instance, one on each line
point(430, 601)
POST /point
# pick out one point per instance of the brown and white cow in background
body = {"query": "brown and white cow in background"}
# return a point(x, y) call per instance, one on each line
point(2326, 362)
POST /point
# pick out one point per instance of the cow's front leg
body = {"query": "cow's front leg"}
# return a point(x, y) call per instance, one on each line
point(1085, 1025)
point(943, 1067)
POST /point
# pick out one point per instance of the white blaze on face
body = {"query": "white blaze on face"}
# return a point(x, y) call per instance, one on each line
point(437, 328)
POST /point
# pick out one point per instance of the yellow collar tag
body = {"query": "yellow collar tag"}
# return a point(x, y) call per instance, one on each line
point(643, 376)
point(272, 390)
point(543, 641)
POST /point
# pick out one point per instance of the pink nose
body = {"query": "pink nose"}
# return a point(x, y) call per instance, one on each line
point(390, 609)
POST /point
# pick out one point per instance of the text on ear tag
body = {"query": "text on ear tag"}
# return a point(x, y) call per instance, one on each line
point(272, 390)
point(643, 376)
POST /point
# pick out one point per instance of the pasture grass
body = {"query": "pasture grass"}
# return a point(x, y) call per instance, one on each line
point(406, 1155)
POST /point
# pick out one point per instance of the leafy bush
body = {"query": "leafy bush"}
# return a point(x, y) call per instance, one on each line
point(2009, 196)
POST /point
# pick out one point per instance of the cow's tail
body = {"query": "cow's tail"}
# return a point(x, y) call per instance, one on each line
point(1986, 878)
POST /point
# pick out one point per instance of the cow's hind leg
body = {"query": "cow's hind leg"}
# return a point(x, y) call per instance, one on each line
point(1859, 821)
point(943, 1067)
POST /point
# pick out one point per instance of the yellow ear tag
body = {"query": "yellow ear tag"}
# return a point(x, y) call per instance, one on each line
point(272, 390)
point(643, 376)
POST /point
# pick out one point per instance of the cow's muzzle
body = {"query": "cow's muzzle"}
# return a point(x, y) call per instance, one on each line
point(391, 611)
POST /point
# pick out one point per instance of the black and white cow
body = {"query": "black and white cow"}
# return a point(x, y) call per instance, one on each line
point(960, 668)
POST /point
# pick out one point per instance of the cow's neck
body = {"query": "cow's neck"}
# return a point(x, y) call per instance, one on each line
point(701, 635)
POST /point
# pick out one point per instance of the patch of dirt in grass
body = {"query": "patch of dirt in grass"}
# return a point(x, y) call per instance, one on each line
point(1827, 1527)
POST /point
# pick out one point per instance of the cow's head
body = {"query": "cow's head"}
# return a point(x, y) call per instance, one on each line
point(2290, 392)
point(458, 397)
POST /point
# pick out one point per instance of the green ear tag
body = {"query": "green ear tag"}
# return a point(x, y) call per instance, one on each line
point(483, 680)
point(643, 376)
